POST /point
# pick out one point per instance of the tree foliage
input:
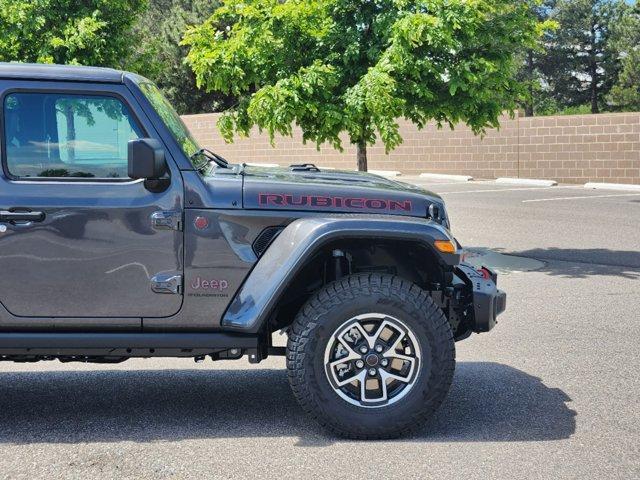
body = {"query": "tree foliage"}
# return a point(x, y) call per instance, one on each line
point(535, 60)
point(600, 36)
point(625, 94)
point(583, 62)
point(160, 57)
point(90, 32)
point(357, 66)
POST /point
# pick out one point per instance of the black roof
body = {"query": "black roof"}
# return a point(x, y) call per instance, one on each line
point(39, 71)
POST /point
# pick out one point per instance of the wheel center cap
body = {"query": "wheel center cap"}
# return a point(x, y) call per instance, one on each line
point(372, 360)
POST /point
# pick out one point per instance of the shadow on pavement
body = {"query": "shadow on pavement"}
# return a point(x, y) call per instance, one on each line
point(488, 402)
point(582, 263)
point(491, 402)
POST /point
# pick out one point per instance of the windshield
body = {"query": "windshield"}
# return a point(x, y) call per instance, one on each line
point(174, 123)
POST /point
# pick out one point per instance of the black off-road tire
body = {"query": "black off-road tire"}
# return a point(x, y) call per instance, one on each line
point(336, 303)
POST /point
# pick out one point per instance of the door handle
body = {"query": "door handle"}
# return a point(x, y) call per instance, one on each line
point(21, 216)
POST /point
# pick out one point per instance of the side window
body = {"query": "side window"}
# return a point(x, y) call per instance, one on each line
point(55, 135)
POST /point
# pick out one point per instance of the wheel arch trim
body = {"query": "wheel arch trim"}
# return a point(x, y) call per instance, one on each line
point(299, 241)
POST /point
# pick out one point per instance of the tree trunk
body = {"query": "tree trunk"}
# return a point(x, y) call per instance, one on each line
point(71, 134)
point(593, 69)
point(362, 156)
point(594, 88)
point(528, 106)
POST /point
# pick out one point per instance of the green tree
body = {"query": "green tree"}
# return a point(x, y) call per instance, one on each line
point(356, 66)
point(90, 32)
point(160, 57)
point(582, 63)
point(625, 94)
point(534, 60)
point(72, 107)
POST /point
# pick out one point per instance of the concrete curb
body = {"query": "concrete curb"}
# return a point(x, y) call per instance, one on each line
point(612, 186)
point(444, 176)
point(266, 165)
point(531, 182)
point(386, 173)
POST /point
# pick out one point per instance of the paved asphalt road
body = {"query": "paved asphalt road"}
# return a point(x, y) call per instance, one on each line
point(552, 392)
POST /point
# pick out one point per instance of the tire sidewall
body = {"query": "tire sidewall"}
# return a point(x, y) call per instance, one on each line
point(337, 411)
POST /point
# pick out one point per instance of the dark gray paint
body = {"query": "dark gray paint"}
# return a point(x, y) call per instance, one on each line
point(88, 265)
point(329, 184)
point(10, 322)
point(95, 252)
point(75, 73)
point(92, 256)
point(219, 191)
point(221, 252)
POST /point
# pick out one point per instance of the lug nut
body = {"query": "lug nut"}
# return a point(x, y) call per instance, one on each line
point(372, 371)
point(384, 362)
point(379, 348)
point(363, 349)
point(359, 363)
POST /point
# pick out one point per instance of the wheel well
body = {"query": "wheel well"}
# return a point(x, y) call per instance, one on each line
point(411, 260)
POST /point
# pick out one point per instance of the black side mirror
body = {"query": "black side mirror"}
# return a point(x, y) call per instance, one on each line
point(146, 159)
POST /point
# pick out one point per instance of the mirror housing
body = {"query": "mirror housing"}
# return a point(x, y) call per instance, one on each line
point(146, 159)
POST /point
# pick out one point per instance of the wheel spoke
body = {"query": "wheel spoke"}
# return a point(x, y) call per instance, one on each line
point(335, 363)
point(356, 376)
point(383, 325)
point(364, 334)
point(363, 390)
point(405, 358)
point(389, 377)
point(383, 386)
point(363, 387)
point(399, 356)
point(352, 355)
point(395, 345)
point(385, 375)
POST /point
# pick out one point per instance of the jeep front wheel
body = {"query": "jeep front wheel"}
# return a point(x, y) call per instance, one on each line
point(370, 356)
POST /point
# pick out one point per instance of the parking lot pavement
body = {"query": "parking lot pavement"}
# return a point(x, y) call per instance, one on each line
point(552, 392)
point(565, 222)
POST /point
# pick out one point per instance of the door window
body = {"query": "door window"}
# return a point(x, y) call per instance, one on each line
point(58, 135)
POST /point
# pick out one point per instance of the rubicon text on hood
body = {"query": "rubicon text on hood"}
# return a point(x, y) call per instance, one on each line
point(283, 200)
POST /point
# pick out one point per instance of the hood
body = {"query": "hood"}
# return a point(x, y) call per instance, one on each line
point(310, 189)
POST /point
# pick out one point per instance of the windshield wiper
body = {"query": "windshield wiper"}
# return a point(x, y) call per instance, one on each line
point(212, 157)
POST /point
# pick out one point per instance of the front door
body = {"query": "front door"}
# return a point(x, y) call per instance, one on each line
point(77, 236)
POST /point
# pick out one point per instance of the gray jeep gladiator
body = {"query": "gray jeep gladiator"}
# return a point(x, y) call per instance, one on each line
point(120, 237)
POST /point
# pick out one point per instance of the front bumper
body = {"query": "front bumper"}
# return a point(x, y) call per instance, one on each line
point(488, 301)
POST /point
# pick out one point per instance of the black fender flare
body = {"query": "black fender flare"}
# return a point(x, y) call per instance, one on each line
point(269, 278)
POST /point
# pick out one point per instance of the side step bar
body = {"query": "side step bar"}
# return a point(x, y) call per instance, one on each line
point(42, 344)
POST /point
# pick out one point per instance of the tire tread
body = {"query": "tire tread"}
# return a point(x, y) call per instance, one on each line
point(344, 290)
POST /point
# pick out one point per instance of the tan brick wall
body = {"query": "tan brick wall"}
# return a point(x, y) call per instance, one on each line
point(569, 149)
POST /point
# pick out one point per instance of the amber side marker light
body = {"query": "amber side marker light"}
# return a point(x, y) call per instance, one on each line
point(445, 246)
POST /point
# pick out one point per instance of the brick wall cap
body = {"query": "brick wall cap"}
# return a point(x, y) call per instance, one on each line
point(533, 182)
point(612, 186)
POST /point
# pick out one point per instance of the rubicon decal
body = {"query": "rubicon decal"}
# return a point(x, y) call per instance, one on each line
point(322, 201)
